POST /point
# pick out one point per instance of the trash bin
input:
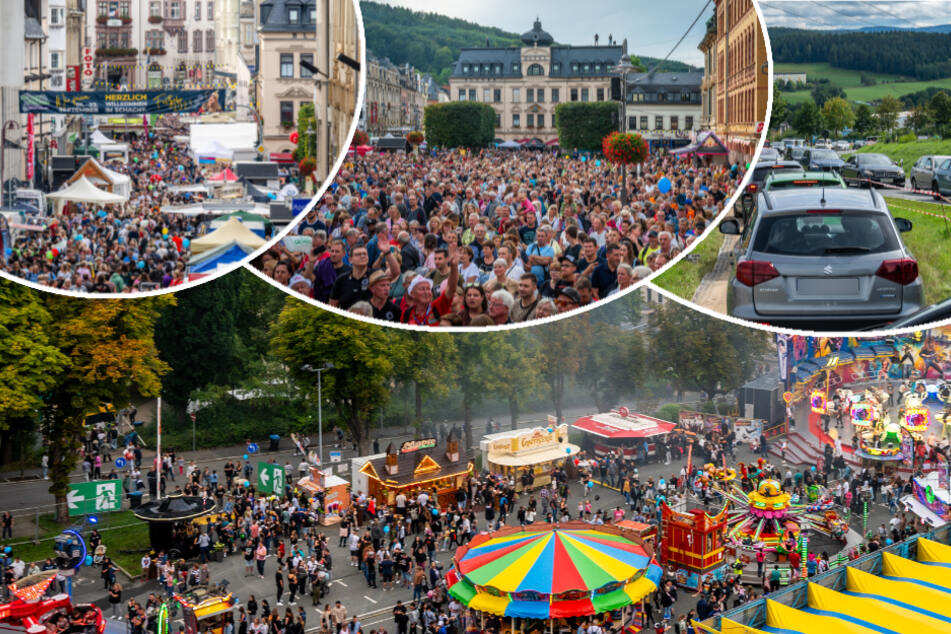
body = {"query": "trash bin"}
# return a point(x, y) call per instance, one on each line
point(275, 442)
point(135, 499)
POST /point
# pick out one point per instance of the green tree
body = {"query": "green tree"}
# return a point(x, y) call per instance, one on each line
point(779, 112)
point(919, 119)
point(430, 366)
point(612, 363)
point(478, 377)
point(29, 364)
point(459, 124)
point(517, 374)
point(824, 92)
point(940, 108)
point(887, 113)
point(806, 121)
point(443, 58)
point(639, 66)
point(560, 354)
point(838, 115)
point(204, 318)
point(362, 355)
point(697, 352)
point(112, 356)
point(307, 130)
point(865, 123)
point(583, 126)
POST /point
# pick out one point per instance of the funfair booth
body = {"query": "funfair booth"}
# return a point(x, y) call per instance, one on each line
point(419, 466)
point(528, 456)
point(622, 430)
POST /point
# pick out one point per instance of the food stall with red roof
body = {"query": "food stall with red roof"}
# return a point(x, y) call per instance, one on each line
point(622, 430)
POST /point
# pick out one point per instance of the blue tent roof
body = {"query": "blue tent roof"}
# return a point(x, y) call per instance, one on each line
point(227, 254)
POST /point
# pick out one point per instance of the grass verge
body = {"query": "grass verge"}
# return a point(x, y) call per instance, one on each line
point(684, 278)
point(123, 531)
point(930, 241)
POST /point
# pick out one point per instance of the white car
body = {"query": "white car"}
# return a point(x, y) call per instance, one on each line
point(841, 146)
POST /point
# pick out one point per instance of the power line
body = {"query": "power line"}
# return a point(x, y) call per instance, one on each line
point(682, 38)
point(894, 15)
point(827, 5)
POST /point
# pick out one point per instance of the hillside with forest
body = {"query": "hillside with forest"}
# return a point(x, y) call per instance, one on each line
point(913, 54)
point(431, 42)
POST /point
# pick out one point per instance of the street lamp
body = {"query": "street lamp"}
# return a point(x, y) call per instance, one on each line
point(320, 414)
point(624, 66)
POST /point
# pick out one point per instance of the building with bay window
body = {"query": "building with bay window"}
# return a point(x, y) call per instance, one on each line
point(525, 84)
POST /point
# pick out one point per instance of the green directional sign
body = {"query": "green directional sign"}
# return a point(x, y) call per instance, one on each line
point(270, 478)
point(89, 498)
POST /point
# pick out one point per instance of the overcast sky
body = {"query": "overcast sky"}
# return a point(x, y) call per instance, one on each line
point(651, 28)
point(855, 14)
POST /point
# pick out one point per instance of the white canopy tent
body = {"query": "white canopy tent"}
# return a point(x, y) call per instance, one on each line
point(213, 149)
point(83, 191)
point(98, 138)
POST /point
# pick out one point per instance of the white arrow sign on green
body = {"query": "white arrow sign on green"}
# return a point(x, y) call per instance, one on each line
point(89, 498)
point(270, 478)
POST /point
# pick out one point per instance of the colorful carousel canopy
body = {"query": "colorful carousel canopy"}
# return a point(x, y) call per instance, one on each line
point(513, 572)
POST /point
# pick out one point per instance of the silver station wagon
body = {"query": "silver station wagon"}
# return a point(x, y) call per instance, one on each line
point(823, 259)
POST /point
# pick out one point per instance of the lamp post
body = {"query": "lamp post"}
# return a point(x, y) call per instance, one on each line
point(320, 413)
point(624, 66)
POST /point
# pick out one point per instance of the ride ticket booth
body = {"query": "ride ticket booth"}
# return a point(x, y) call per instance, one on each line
point(520, 453)
point(206, 609)
point(419, 466)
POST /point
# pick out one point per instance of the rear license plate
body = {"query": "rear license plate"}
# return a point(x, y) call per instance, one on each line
point(838, 286)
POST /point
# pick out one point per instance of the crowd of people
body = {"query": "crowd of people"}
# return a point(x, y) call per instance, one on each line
point(450, 238)
point(403, 546)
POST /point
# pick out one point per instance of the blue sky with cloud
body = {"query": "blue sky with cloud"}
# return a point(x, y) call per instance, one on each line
point(855, 14)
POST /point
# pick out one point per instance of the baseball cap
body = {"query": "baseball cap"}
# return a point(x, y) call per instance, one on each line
point(419, 279)
point(570, 293)
point(297, 279)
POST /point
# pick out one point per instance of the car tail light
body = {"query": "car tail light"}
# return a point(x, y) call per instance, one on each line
point(752, 188)
point(904, 271)
point(753, 272)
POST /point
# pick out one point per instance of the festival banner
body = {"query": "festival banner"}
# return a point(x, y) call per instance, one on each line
point(29, 148)
point(133, 102)
point(782, 349)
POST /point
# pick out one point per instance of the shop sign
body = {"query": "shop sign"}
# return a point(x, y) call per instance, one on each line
point(537, 438)
point(415, 445)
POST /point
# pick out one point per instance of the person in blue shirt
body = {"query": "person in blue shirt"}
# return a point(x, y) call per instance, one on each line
point(540, 253)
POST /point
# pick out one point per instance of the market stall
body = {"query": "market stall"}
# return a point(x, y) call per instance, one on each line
point(335, 492)
point(528, 456)
point(417, 466)
point(206, 610)
point(622, 430)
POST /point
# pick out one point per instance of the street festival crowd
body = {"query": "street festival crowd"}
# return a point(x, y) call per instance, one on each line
point(278, 536)
point(122, 247)
point(450, 238)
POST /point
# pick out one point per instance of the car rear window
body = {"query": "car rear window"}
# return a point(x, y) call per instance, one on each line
point(812, 234)
point(760, 173)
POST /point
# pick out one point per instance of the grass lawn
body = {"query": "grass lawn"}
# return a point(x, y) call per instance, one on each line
point(838, 76)
point(908, 152)
point(684, 278)
point(930, 241)
point(850, 81)
point(131, 534)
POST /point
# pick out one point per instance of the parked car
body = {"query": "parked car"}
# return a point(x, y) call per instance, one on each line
point(795, 153)
point(793, 180)
point(942, 177)
point(823, 144)
point(813, 256)
point(761, 171)
point(922, 172)
point(841, 146)
point(821, 160)
point(769, 154)
point(861, 169)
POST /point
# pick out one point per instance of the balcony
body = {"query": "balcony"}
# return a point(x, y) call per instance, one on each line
point(154, 51)
point(114, 52)
point(103, 20)
point(156, 19)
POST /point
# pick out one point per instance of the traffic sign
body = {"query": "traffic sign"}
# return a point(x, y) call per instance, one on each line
point(270, 478)
point(86, 498)
point(120, 462)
